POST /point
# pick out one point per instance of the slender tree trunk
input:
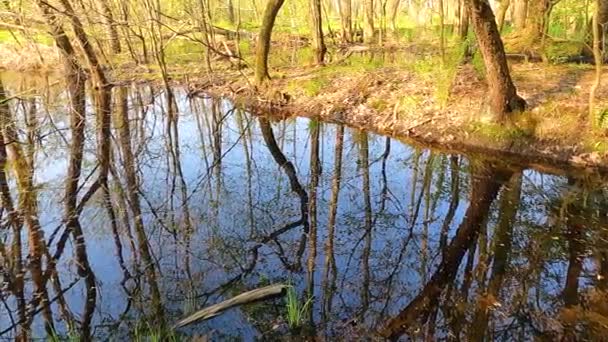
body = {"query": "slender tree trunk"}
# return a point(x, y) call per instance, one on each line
point(442, 30)
point(230, 11)
point(502, 13)
point(394, 11)
point(538, 14)
point(81, 36)
point(317, 31)
point(346, 14)
point(602, 21)
point(263, 46)
point(503, 95)
point(463, 23)
point(520, 12)
point(597, 56)
point(108, 19)
point(368, 21)
point(346, 20)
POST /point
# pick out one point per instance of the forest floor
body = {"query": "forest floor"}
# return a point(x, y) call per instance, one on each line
point(418, 100)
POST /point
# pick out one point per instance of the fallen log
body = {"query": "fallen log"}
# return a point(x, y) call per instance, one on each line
point(248, 297)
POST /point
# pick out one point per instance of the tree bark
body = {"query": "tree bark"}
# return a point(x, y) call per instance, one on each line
point(108, 19)
point(536, 25)
point(368, 22)
point(502, 13)
point(394, 12)
point(263, 46)
point(602, 13)
point(520, 12)
point(346, 20)
point(503, 95)
point(463, 22)
point(317, 31)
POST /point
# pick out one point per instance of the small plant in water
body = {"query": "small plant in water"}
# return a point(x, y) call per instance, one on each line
point(55, 337)
point(296, 311)
point(147, 333)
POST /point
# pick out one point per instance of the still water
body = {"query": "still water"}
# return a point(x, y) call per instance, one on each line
point(203, 201)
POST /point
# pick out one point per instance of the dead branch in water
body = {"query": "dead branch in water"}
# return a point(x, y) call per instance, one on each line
point(267, 292)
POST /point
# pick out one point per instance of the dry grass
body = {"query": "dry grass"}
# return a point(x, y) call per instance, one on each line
point(35, 57)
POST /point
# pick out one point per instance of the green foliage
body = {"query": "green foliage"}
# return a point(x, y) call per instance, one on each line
point(478, 64)
point(6, 37)
point(558, 51)
point(71, 336)
point(146, 333)
point(602, 118)
point(310, 87)
point(296, 310)
point(497, 132)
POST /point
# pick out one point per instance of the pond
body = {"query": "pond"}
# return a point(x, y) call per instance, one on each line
point(202, 201)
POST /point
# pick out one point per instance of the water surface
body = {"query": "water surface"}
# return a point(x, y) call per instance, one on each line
point(205, 201)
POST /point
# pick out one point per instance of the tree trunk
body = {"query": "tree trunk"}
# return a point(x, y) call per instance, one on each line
point(368, 22)
point(538, 13)
point(597, 57)
point(263, 46)
point(346, 20)
point(463, 25)
point(502, 13)
point(317, 31)
point(86, 46)
point(520, 13)
point(603, 23)
point(108, 19)
point(394, 12)
point(230, 11)
point(503, 95)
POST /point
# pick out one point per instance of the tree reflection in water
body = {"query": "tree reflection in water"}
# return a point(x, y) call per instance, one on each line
point(129, 215)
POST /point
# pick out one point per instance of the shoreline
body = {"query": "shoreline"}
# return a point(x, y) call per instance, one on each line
point(450, 129)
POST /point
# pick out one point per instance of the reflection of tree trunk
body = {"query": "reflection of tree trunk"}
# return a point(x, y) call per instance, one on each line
point(312, 209)
point(134, 203)
point(16, 223)
point(455, 200)
point(330, 260)
point(484, 188)
point(365, 269)
point(575, 264)
point(426, 190)
point(576, 250)
point(77, 125)
point(28, 205)
point(295, 185)
point(509, 205)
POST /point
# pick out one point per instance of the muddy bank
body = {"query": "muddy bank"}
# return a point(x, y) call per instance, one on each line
point(551, 136)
